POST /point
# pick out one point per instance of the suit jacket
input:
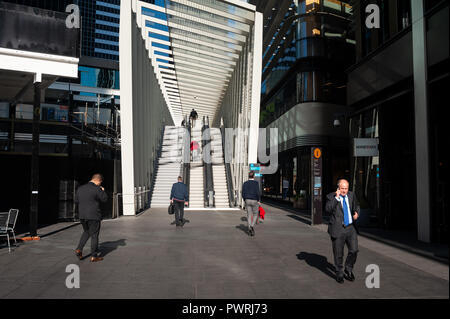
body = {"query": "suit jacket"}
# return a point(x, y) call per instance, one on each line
point(334, 208)
point(88, 197)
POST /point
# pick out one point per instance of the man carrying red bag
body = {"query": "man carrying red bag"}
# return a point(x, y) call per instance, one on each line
point(252, 196)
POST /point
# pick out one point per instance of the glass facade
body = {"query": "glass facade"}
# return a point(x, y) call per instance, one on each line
point(299, 63)
point(54, 5)
point(308, 46)
point(100, 23)
point(97, 77)
point(395, 16)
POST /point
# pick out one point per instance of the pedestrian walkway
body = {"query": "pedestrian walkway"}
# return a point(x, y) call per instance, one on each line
point(210, 257)
point(404, 240)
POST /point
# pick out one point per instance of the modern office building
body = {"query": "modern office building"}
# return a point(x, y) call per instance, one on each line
point(80, 116)
point(307, 47)
point(396, 91)
point(174, 56)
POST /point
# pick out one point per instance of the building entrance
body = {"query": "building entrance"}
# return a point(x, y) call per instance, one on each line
point(397, 164)
point(440, 162)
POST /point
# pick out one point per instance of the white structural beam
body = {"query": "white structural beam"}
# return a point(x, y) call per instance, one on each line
point(256, 88)
point(126, 86)
point(236, 39)
point(63, 86)
point(38, 63)
point(420, 66)
point(204, 55)
point(214, 11)
point(240, 3)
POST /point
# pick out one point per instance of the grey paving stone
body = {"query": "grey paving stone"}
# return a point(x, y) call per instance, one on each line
point(211, 257)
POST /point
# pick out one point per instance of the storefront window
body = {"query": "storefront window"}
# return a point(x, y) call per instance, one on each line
point(365, 181)
point(102, 78)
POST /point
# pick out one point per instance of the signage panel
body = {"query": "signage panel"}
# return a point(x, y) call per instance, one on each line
point(365, 147)
point(316, 177)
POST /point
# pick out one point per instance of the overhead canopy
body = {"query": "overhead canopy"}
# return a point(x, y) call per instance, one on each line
point(194, 46)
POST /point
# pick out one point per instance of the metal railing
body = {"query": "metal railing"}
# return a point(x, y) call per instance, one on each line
point(186, 155)
point(231, 192)
point(141, 202)
point(208, 180)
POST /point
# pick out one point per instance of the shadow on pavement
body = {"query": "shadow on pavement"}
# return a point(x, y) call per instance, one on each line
point(109, 246)
point(319, 262)
point(300, 219)
point(243, 228)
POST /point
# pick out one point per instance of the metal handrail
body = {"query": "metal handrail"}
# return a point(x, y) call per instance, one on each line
point(186, 157)
point(228, 175)
point(115, 212)
point(208, 181)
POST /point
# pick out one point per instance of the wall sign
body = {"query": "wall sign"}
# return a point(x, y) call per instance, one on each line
point(365, 147)
point(317, 153)
point(316, 177)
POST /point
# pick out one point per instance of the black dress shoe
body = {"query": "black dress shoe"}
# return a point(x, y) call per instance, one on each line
point(349, 276)
point(253, 231)
point(340, 279)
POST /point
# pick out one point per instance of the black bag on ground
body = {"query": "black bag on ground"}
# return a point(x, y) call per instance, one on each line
point(171, 209)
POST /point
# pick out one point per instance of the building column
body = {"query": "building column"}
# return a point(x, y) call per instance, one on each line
point(421, 121)
point(126, 103)
point(35, 156)
point(255, 89)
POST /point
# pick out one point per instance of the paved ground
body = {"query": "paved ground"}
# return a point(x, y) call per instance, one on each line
point(211, 257)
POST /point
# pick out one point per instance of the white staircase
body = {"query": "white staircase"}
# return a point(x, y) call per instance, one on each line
point(169, 166)
point(218, 167)
point(196, 196)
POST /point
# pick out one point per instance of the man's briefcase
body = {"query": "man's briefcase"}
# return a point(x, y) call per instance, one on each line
point(171, 209)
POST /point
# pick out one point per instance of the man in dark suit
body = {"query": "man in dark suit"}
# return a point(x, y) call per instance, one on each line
point(193, 117)
point(88, 197)
point(179, 197)
point(344, 209)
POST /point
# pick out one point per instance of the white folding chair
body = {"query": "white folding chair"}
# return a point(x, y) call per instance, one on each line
point(7, 224)
point(4, 222)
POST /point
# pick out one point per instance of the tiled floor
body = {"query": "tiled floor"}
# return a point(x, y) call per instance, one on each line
point(211, 257)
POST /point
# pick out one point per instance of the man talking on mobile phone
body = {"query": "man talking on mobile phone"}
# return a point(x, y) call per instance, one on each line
point(88, 197)
point(344, 209)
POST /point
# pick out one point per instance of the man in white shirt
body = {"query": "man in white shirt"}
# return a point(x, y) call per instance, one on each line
point(344, 209)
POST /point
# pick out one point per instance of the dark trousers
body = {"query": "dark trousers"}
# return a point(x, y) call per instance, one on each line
point(91, 228)
point(179, 211)
point(348, 237)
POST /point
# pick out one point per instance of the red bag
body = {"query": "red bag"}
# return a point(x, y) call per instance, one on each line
point(261, 212)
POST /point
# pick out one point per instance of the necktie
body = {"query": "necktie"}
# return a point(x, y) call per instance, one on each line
point(346, 219)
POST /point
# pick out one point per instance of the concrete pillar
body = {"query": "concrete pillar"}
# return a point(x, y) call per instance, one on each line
point(126, 104)
point(421, 121)
point(34, 207)
point(255, 88)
